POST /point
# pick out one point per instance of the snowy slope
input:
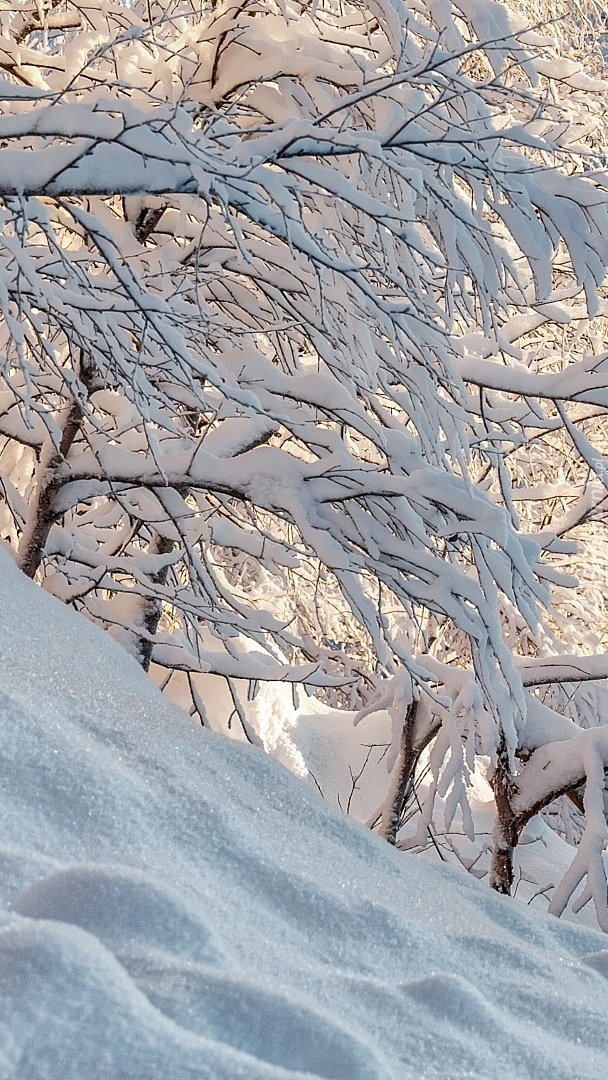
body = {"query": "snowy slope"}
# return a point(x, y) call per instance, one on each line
point(179, 906)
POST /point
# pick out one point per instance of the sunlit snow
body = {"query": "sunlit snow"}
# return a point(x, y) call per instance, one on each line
point(177, 905)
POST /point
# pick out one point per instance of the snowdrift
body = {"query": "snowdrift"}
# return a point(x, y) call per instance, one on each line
point(175, 905)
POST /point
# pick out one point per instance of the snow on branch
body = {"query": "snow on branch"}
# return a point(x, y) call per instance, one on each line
point(286, 295)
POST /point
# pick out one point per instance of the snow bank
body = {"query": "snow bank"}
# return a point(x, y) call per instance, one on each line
point(178, 906)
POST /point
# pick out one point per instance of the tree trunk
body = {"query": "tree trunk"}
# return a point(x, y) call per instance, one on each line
point(507, 826)
point(403, 775)
point(49, 478)
point(152, 606)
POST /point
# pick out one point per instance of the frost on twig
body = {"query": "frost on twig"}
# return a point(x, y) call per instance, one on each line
point(552, 770)
point(295, 330)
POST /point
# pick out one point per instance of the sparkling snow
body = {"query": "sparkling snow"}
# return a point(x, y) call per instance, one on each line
point(176, 905)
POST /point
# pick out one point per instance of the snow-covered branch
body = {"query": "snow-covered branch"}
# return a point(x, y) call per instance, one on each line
point(298, 376)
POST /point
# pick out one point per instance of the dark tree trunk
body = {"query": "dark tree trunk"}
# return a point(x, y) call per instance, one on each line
point(152, 606)
point(49, 478)
point(403, 776)
point(507, 826)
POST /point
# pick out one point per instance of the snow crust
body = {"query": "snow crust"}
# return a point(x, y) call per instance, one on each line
point(177, 905)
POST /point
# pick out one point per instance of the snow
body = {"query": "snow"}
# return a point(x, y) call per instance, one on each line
point(178, 905)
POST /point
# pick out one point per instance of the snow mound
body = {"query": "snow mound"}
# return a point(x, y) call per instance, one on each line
point(277, 1027)
point(599, 961)
point(178, 906)
point(121, 907)
point(68, 1008)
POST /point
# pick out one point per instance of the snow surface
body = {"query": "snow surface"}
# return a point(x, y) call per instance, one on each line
point(176, 905)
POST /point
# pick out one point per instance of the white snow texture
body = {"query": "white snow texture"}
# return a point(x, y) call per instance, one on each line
point(176, 906)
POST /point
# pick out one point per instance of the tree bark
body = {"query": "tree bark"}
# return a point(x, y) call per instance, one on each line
point(49, 478)
point(403, 776)
point(507, 825)
point(152, 607)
